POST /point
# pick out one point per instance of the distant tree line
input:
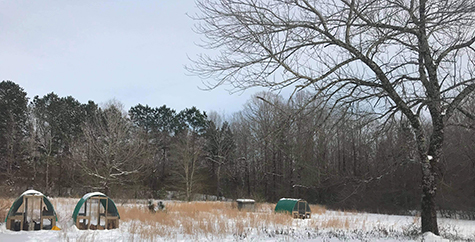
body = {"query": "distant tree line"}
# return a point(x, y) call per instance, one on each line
point(272, 148)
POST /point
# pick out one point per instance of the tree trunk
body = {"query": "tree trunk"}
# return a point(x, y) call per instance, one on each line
point(47, 176)
point(430, 176)
point(218, 184)
point(248, 177)
point(107, 189)
point(62, 172)
point(428, 206)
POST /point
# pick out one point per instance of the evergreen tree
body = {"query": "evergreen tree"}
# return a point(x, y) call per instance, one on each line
point(13, 126)
point(58, 124)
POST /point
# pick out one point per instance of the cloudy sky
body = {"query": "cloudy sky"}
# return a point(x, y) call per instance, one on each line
point(133, 51)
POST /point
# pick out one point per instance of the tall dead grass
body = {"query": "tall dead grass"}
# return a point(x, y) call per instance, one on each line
point(318, 209)
point(5, 205)
point(210, 219)
point(338, 221)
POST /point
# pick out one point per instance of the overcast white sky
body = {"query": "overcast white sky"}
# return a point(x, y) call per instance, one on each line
point(133, 51)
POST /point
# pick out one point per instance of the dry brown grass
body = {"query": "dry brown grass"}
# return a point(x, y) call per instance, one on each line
point(147, 231)
point(336, 222)
point(211, 219)
point(265, 207)
point(350, 212)
point(194, 207)
point(318, 209)
point(5, 205)
point(143, 215)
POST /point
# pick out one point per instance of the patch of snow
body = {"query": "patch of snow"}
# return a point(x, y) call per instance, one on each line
point(290, 199)
point(430, 237)
point(31, 192)
point(93, 194)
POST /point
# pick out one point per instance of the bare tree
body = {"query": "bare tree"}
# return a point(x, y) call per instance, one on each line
point(220, 147)
point(187, 153)
point(112, 150)
point(244, 147)
point(391, 57)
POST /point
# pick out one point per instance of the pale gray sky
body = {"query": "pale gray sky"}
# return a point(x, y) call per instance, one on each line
point(133, 51)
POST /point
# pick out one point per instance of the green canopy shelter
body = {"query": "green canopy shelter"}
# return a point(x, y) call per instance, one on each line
point(298, 208)
point(31, 211)
point(95, 210)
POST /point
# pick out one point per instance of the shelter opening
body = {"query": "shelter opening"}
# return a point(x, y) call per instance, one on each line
point(95, 210)
point(31, 211)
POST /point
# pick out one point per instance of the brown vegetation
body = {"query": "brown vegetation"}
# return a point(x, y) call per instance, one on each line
point(5, 205)
point(217, 219)
point(212, 219)
point(318, 209)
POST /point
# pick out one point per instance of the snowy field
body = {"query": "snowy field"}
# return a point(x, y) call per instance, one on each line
point(221, 221)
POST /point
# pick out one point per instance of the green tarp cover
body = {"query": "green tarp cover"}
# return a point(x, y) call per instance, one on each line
point(19, 201)
point(290, 204)
point(112, 209)
point(286, 205)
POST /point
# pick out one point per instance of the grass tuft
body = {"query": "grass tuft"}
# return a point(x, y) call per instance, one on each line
point(5, 205)
point(318, 209)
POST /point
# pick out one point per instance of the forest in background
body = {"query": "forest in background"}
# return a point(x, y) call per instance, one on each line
point(274, 147)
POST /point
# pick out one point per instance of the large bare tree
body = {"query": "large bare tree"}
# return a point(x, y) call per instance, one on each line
point(186, 154)
point(387, 57)
point(113, 150)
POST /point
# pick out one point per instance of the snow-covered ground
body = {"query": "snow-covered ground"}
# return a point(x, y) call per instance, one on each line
point(325, 225)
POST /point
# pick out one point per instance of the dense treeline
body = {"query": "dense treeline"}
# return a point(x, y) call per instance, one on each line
point(273, 148)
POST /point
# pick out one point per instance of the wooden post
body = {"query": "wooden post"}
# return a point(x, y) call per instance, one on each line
point(89, 217)
point(41, 214)
point(105, 212)
point(25, 207)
